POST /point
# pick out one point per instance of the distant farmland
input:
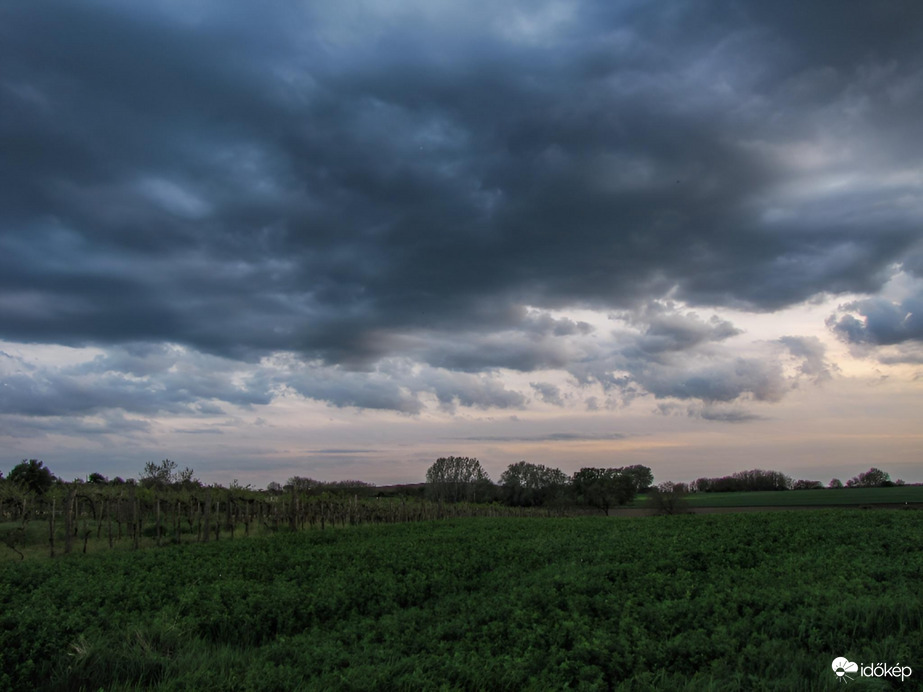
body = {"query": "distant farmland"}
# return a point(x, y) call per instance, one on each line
point(841, 497)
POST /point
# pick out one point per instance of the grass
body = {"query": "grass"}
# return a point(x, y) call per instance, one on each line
point(804, 498)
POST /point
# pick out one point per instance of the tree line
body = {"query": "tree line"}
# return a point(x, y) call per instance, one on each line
point(759, 479)
point(167, 504)
point(452, 479)
point(463, 479)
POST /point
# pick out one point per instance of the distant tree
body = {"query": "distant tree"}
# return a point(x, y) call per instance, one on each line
point(348, 487)
point(701, 485)
point(526, 485)
point(274, 488)
point(603, 488)
point(760, 479)
point(97, 479)
point(32, 475)
point(669, 498)
point(724, 484)
point(417, 490)
point(302, 484)
point(835, 483)
point(755, 479)
point(186, 479)
point(807, 485)
point(158, 475)
point(873, 478)
point(118, 480)
point(641, 477)
point(453, 479)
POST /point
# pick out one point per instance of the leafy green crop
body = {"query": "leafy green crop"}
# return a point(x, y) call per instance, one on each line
point(753, 601)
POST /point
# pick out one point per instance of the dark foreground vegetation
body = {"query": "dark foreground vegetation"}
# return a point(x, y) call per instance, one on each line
point(716, 602)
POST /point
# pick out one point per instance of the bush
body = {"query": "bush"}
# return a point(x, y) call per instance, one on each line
point(669, 498)
point(807, 485)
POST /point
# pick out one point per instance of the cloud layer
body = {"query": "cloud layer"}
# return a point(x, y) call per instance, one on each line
point(387, 204)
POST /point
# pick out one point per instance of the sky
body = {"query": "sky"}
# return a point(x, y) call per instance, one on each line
point(341, 240)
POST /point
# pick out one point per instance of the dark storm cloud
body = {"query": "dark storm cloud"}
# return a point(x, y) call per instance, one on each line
point(881, 321)
point(667, 331)
point(404, 180)
point(724, 381)
point(503, 349)
point(889, 330)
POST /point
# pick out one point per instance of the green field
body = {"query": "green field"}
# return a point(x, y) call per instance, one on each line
point(754, 601)
point(804, 498)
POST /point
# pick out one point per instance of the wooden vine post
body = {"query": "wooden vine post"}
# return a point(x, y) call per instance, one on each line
point(51, 528)
point(87, 532)
point(218, 518)
point(109, 520)
point(136, 520)
point(69, 527)
point(208, 509)
point(293, 517)
point(229, 523)
point(157, 514)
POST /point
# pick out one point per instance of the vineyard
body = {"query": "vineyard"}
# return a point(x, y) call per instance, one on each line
point(761, 601)
point(83, 518)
